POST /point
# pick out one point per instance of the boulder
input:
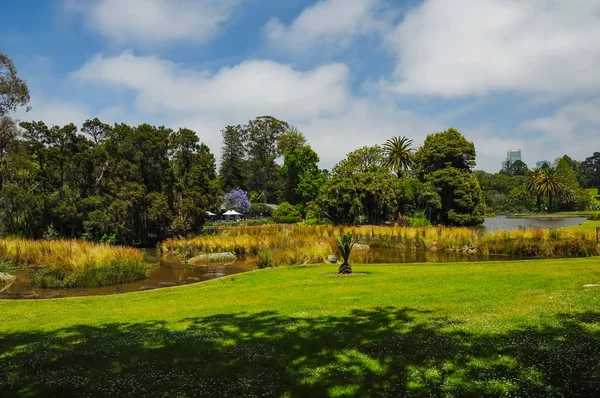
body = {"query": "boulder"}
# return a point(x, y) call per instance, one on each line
point(6, 278)
point(119, 290)
point(212, 257)
point(332, 259)
point(192, 279)
point(167, 284)
point(144, 288)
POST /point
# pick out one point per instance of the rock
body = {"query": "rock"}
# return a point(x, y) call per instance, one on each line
point(192, 279)
point(119, 290)
point(30, 294)
point(591, 285)
point(144, 288)
point(167, 284)
point(6, 278)
point(207, 258)
point(51, 295)
point(332, 259)
point(359, 246)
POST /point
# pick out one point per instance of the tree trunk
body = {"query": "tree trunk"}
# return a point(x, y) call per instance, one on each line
point(345, 269)
point(549, 203)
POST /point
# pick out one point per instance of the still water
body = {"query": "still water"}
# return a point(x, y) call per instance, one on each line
point(512, 223)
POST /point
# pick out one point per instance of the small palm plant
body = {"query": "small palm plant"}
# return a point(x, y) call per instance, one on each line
point(345, 243)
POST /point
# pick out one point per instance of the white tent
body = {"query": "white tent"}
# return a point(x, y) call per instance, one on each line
point(208, 213)
point(232, 213)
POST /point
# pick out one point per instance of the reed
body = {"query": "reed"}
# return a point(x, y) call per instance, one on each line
point(291, 245)
point(73, 263)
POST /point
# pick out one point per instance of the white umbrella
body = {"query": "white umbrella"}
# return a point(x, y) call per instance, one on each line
point(208, 213)
point(232, 213)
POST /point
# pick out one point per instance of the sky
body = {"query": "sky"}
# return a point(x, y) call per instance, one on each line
point(509, 74)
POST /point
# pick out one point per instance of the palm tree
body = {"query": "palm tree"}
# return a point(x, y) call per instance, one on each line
point(399, 154)
point(550, 185)
point(345, 243)
point(532, 185)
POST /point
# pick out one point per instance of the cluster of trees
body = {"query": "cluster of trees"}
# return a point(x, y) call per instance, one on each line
point(119, 183)
point(558, 187)
point(377, 184)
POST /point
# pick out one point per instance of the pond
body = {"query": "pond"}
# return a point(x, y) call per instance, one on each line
point(167, 274)
point(511, 223)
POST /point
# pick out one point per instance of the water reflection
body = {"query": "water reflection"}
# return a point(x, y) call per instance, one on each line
point(511, 223)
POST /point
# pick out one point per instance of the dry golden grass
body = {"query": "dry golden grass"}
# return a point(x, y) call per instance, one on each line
point(67, 254)
point(311, 244)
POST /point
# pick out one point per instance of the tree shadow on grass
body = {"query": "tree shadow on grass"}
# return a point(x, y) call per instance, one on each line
point(380, 352)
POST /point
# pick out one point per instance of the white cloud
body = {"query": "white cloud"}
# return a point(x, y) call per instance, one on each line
point(318, 101)
point(473, 47)
point(54, 112)
point(253, 87)
point(328, 23)
point(155, 21)
point(573, 130)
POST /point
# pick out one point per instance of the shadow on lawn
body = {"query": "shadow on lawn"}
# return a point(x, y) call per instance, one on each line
point(382, 352)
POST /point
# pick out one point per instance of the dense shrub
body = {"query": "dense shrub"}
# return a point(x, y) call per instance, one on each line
point(289, 219)
point(260, 210)
point(286, 210)
point(109, 274)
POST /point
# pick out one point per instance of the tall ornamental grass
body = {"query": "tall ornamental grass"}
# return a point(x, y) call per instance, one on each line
point(73, 263)
point(311, 244)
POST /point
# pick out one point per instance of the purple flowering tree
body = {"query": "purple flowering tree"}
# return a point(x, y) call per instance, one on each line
point(237, 200)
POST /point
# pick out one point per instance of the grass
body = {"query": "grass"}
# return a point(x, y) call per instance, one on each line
point(525, 328)
point(311, 244)
point(73, 263)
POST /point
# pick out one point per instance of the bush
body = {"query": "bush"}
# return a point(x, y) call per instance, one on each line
point(260, 210)
point(289, 220)
point(110, 274)
point(286, 210)
point(265, 259)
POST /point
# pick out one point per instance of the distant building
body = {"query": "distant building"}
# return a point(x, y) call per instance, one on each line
point(543, 163)
point(511, 157)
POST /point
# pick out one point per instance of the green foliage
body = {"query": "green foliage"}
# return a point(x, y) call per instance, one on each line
point(517, 168)
point(285, 209)
point(138, 184)
point(445, 149)
point(290, 140)
point(589, 171)
point(398, 154)
point(109, 274)
point(13, 90)
point(260, 210)
point(368, 159)
point(289, 219)
point(345, 244)
point(233, 171)
point(303, 179)
point(265, 259)
point(445, 161)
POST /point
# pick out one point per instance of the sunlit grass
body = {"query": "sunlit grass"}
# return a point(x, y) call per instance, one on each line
point(526, 328)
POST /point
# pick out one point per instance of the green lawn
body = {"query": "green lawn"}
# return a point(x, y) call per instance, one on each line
point(473, 329)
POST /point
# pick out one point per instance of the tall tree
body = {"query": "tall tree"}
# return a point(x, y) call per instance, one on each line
point(290, 140)
point(398, 154)
point(368, 159)
point(445, 160)
point(13, 90)
point(301, 163)
point(262, 135)
point(589, 170)
point(446, 149)
point(233, 170)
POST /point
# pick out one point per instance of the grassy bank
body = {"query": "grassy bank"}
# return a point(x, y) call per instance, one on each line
point(71, 263)
point(479, 329)
point(309, 244)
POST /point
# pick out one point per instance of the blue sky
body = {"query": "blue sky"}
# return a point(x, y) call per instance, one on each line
point(508, 74)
